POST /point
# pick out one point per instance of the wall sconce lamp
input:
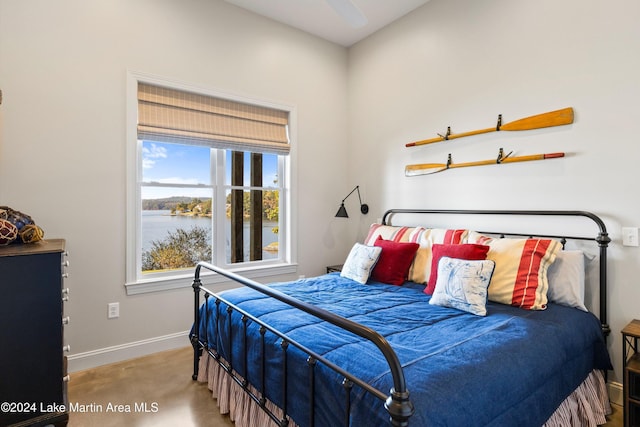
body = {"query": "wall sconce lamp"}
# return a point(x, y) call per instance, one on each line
point(342, 212)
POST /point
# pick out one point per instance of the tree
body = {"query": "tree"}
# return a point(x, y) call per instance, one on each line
point(180, 249)
point(270, 205)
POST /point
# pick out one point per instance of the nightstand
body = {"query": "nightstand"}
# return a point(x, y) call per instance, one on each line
point(333, 268)
point(631, 364)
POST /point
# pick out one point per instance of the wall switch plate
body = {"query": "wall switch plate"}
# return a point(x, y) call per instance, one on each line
point(630, 236)
point(113, 310)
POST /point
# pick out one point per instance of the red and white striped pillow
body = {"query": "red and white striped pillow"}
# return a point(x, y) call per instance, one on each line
point(520, 276)
point(420, 269)
point(387, 232)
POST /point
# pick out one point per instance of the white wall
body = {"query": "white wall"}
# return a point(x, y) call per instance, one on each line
point(63, 70)
point(461, 62)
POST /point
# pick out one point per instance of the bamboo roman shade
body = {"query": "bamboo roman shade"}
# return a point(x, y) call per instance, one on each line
point(170, 115)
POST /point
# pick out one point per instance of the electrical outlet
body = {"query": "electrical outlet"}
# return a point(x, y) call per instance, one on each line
point(630, 236)
point(113, 310)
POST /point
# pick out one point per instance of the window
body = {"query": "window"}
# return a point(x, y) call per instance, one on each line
point(208, 180)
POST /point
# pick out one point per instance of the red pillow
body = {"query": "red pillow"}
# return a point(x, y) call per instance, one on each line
point(394, 262)
point(468, 251)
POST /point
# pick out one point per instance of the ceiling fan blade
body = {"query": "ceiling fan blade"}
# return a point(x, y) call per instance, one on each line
point(349, 12)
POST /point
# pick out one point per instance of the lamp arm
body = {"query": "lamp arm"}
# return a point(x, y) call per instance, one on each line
point(359, 198)
point(357, 188)
point(364, 208)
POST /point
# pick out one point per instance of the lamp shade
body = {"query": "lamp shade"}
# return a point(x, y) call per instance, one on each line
point(342, 212)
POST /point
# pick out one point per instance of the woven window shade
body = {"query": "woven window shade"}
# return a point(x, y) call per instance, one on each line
point(170, 115)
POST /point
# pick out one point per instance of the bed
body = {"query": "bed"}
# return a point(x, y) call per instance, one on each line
point(423, 326)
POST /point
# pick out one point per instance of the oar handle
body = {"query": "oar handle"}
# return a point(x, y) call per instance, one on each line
point(532, 157)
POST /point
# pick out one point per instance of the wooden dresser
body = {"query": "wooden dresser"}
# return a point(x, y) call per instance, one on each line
point(33, 377)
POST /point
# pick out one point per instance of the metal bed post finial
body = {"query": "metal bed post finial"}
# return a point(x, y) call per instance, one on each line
point(399, 407)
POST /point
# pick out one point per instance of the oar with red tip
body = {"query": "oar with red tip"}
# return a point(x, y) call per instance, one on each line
point(429, 168)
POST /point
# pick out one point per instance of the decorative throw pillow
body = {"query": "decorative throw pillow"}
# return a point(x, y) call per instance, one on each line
point(387, 232)
point(520, 277)
point(394, 262)
point(468, 251)
point(360, 262)
point(462, 284)
point(420, 270)
point(567, 279)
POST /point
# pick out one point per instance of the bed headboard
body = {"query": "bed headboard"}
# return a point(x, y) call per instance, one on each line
point(601, 238)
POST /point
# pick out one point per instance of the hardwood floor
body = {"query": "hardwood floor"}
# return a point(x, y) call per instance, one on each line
point(158, 391)
point(616, 418)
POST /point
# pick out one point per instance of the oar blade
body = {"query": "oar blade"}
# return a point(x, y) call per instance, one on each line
point(544, 120)
point(424, 169)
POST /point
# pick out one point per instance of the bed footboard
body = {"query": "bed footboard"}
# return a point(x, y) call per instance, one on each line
point(396, 401)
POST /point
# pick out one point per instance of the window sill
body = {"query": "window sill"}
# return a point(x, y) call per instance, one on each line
point(186, 280)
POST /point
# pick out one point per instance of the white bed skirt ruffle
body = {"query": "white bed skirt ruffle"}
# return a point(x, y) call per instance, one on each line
point(587, 406)
point(232, 399)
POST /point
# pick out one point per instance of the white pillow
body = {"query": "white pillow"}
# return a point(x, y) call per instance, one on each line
point(567, 279)
point(463, 284)
point(360, 262)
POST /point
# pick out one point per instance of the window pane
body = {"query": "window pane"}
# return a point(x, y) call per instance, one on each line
point(269, 172)
point(176, 227)
point(167, 163)
point(251, 234)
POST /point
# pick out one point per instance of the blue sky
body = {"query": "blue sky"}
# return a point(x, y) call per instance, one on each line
point(175, 163)
point(188, 164)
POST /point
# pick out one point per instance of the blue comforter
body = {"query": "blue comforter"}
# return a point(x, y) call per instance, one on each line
point(512, 367)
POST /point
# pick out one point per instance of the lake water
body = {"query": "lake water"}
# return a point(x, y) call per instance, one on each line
point(157, 224)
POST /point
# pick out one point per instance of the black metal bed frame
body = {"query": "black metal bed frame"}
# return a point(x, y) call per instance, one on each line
point(397, 402)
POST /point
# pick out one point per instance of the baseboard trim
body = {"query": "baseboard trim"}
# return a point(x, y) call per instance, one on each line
point(616, 394)
point(118, 353)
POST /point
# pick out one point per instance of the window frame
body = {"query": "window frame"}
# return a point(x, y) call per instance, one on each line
point(135, 283)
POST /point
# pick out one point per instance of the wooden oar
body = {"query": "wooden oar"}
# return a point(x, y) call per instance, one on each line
point(429, 168)
point(544, 120)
